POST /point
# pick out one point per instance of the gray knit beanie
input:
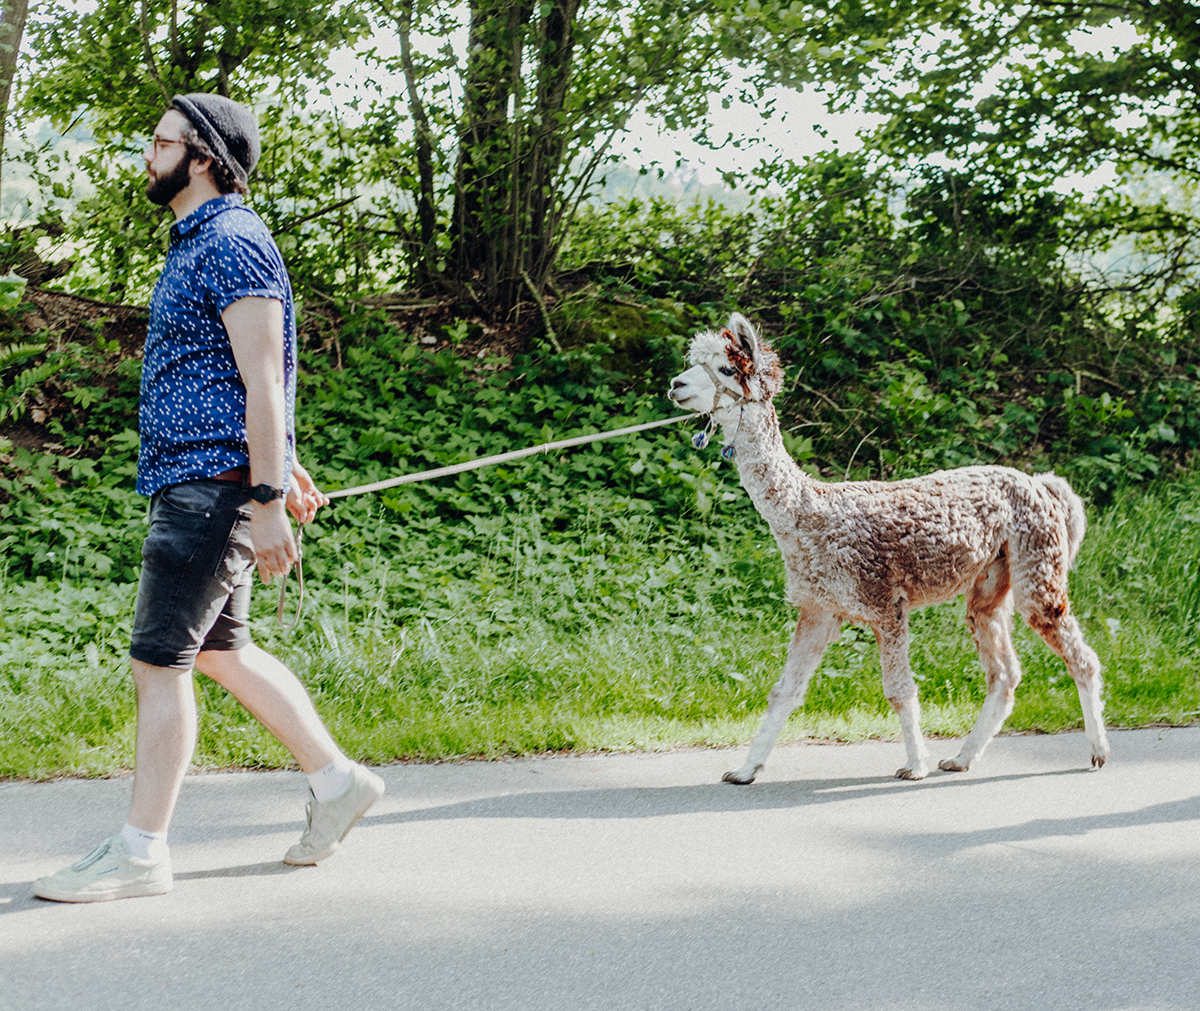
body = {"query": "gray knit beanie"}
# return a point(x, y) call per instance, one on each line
point(229, 129)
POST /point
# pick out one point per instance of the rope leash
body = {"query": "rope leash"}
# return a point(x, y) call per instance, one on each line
point(299, 581)
point(458, 468)
point(516, 454)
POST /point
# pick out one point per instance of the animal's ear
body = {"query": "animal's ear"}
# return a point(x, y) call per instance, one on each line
point(742, 332)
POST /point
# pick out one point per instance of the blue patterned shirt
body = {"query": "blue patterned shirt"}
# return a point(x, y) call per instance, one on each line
point(192, 417)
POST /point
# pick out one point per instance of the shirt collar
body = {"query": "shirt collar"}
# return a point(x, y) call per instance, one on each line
point(207, 210)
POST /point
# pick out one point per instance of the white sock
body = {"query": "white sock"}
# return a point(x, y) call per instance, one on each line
point(146, 845)
point(331, 781)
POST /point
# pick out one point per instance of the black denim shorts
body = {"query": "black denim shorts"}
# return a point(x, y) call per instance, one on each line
point(197, 570)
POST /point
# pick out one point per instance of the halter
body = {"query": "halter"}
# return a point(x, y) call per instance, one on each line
point(722, 390)
point(700, 439)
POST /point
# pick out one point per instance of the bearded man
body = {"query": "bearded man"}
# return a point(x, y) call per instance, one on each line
point(218, 460)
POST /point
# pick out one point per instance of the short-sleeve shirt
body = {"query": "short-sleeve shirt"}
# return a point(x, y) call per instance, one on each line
point(192, 417)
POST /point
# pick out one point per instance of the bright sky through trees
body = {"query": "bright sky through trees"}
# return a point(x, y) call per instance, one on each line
point(799, 124)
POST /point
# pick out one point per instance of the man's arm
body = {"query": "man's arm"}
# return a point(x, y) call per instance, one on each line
point(255, 328)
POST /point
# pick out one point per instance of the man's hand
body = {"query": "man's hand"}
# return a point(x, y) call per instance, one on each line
point(304, 498)
point(271, 535)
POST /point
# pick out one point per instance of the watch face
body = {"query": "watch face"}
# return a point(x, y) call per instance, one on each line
point(265, 493)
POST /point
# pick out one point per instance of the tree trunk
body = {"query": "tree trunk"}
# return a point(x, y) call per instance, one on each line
point(423, 257)
point(548, 141)
point(487, 180)
point(12, 26)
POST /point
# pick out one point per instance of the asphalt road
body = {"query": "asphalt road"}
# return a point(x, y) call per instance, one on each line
point(641, 882)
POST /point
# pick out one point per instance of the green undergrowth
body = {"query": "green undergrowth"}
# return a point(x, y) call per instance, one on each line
point(619, 596)
point(516, 639)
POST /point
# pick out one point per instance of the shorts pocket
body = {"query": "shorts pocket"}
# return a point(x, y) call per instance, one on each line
point(238, 557)
point(175, 536)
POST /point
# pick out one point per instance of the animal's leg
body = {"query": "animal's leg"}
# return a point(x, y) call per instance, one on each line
point(1058, 627)
point(901, 691)
point(815, 631)
point(993, 638)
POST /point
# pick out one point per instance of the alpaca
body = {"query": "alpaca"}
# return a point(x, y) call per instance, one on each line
point(869, 552)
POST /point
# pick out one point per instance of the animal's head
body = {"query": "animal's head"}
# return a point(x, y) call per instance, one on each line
point(729, 368)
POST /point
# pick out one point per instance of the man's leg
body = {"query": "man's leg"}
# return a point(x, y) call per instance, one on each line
point(135, 862)
point(276, 698)
point(342, 790)
point(166, 738)
point(180, 596)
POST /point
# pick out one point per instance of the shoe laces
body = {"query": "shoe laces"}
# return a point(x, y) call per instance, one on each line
point(94, 857)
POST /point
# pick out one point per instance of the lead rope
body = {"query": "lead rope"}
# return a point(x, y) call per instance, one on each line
point(458, 468)
point(299, 580)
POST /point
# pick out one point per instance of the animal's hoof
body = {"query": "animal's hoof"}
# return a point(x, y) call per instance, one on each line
point(952, 765)
point(904, 772)
point(738, 778)
point(1098, 761)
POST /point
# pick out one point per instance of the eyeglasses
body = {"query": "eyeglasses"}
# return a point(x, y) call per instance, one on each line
point(161, 142)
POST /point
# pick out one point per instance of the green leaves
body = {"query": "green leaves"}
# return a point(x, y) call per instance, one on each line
point(121, 63)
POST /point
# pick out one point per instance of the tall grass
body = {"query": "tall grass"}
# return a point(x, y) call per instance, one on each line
point(515, 639)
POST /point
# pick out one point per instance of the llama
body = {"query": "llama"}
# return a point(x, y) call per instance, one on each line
point(869, 552)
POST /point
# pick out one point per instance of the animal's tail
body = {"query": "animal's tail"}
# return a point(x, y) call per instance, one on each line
point(1076, 517)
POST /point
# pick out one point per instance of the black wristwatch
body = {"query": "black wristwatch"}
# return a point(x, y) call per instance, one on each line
point(265, 493)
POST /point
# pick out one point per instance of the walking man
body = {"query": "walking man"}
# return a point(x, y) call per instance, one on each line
point(218, 459)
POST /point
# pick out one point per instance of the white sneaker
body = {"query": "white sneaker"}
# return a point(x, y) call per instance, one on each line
point(110, 871)
point(329, 822)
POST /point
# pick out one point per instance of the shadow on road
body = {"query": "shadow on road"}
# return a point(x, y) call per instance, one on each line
point(714, 798)
point(15, 896)
point(651, 802)
point(666, 801)
point(269, 868)
point(711, 798)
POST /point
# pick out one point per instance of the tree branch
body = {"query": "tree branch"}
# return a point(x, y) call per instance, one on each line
point(296, 222)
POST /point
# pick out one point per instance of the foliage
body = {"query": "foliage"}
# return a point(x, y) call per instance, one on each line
point(1020, 95)
point(462, 164)
point(115, 68)
point(935, 300)
point(508, 635)
point(926, 325)
point(1046, 87)
point(475, 166)
point(623, 595)
point(119, 64)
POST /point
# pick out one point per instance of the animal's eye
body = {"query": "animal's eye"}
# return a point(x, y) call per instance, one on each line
point(727, 370)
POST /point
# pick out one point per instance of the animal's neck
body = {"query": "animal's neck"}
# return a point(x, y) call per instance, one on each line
point(772, 478)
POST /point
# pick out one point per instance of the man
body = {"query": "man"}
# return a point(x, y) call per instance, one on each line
point(218, 460)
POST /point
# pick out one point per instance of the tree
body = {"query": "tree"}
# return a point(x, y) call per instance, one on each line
point(504, 159)
point(477, 164)
point(1026, 91)
point(1052, 98)
point(13, 14)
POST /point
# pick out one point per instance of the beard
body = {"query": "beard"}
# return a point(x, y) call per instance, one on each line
point(162, 190)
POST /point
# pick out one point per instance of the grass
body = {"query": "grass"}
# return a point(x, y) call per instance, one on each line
point(517, 641)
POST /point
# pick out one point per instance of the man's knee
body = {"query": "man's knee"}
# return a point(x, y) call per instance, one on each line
point(212, 661)
point(148, 674)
